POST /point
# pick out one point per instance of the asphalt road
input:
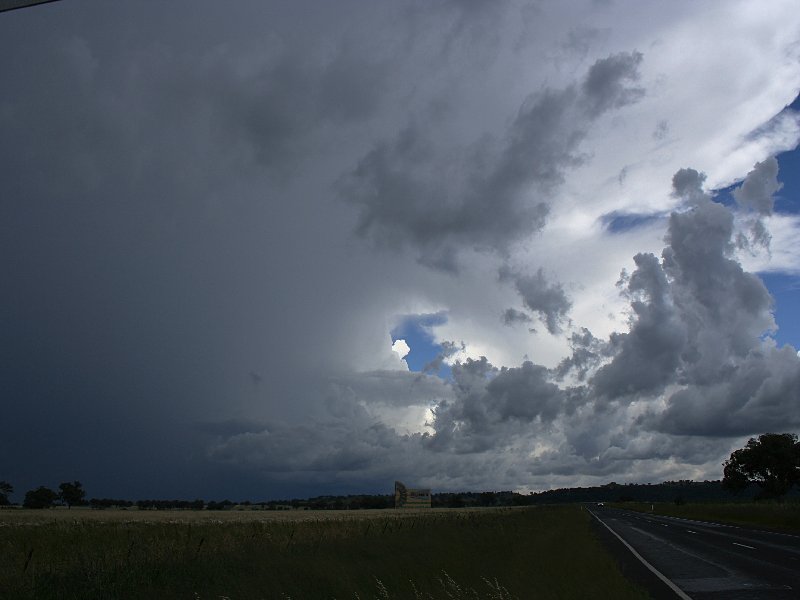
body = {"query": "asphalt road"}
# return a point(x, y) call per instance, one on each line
point(710, 560)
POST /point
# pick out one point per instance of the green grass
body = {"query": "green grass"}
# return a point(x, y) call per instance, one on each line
point(544, 552)
point(778, 516)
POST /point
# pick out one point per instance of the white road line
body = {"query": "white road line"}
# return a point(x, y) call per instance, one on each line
point(690, 531)
point(728, 525)
point(678, 591)
point(743, 545)
point(664, 525)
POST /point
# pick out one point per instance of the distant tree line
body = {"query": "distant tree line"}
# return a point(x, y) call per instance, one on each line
point(69, 494)
point(6, 489)
point(170, 504)
point(668, 491)
point(767, 467)
point(98, 503)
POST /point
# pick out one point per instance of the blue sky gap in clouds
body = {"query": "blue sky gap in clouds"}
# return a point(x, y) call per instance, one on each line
point(417, 332)
point(785, 289)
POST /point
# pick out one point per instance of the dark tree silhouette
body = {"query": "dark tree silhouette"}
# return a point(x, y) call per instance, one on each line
point(41, 497)
point(72, 494)
point(772, 461)
point(5, 491)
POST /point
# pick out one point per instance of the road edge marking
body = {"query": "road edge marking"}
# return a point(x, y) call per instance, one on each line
point(744, 545)
point(712, 523)
point(678, 591)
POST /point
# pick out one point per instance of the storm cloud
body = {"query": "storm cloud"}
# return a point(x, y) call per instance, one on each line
point(489, 193)
point(213, 222)
point(548, 300)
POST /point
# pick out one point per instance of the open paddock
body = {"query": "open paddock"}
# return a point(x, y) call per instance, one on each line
point(22, 516)
point(542, 552)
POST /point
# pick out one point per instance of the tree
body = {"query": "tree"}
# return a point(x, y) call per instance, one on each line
point(72, 493)
point(41, 497)
point(5, 491)
point(772, 462)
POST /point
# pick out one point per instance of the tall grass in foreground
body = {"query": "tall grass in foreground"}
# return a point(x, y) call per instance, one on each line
point(544, 552)
point(780, 516)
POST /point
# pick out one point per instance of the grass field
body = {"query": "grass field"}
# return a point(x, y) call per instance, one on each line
point(543, 552)
point(778, 516)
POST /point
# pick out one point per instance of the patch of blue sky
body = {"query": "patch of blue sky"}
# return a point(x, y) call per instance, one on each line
point(725, 195)
point(787, 200)
point(417, 331)
point(618, 222)
point(785, 289)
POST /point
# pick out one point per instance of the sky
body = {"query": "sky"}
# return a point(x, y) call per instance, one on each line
point(265, 249)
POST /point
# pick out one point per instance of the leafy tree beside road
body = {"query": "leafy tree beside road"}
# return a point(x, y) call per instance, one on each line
point(772, 461)
point(72, 494)
point(5, 491)
point(41, 497)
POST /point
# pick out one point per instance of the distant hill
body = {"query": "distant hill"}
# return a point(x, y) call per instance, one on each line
point(669, 491)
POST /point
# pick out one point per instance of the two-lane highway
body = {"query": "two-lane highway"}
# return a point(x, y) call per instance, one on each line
point(711, 560)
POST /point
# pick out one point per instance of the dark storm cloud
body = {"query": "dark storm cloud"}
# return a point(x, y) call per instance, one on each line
point(464, 27)
point(192, 118)
point(697, 321)
point(490, 195)
point(183, 313)
point(639, 457)
point(695, 312)
point(331, 447)
point(696, 335)
point(525, 393)
point(145, 200)
point(587, 354)
point(646, 358)
point(580, 40)
point(697, 324)
point(608, 83)
point(546, 299)
point(512, 316)
point(393, 388)
point(231, 427)
point(492, 404)
point(761, 393)
point(448, 349)
point(755, 196)
point(688, 184)
point(662, 130)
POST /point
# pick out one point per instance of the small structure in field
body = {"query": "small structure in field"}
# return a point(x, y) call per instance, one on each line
point(410, 498)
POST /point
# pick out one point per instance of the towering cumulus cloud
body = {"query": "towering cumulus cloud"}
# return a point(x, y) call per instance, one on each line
point(733, 381)
point(693, 364)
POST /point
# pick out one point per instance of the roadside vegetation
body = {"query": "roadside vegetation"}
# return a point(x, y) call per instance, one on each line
point(543, 552)
point(774, 515)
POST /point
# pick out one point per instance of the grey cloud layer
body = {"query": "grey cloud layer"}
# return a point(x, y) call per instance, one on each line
point(493, 193)
point(546, 299)
point(695, 342)
point(182, 287)
point(755, 196)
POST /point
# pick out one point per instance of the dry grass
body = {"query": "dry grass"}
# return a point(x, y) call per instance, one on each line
point(22, 516)
point(545, 552)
